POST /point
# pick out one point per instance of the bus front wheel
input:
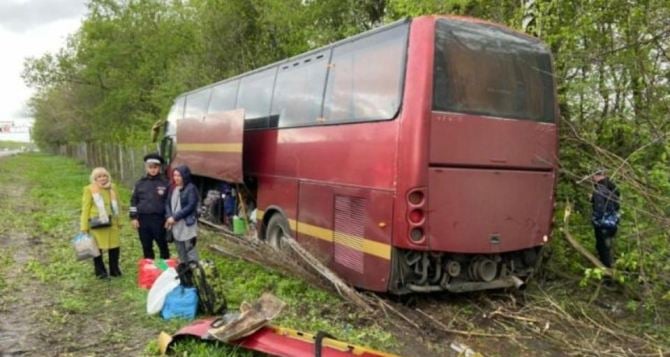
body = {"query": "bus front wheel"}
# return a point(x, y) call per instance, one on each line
point(277, 231)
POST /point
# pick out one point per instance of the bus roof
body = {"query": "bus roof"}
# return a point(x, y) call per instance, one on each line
point(310, 52)
point(358, 36)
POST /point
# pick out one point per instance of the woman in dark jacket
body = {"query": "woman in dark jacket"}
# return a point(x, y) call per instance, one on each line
point(181, 213)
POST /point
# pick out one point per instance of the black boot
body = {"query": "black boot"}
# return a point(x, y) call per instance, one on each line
point(114, 262)
point(99, 266)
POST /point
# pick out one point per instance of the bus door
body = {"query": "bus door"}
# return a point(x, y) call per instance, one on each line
point(349, 229)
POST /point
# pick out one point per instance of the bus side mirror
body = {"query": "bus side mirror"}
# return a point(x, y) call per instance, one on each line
point(155, 129)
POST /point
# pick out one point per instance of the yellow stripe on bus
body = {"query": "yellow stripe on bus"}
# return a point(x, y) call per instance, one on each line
point(366, 246)
point(369, 246)
point(234, 147)
point(315, 231)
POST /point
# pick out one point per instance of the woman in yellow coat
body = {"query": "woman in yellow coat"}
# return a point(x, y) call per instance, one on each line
point(100, 218)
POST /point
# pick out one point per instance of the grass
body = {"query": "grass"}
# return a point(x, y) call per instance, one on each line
point(47, 213)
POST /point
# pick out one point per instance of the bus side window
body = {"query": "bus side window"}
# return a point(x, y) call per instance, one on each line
point(365, 78)
point(298, 93)
point(196, 104)
point(254, 97)
point(224, 97)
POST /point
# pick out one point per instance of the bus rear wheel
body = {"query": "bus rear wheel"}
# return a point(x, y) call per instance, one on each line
point(277, 231)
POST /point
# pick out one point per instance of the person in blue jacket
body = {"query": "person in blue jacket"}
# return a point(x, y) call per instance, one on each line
point(181, 212)
point(605, 217)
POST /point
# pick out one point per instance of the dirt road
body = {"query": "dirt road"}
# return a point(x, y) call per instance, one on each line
point(53, 306)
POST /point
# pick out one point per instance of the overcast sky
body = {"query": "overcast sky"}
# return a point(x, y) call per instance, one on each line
point(30, 28)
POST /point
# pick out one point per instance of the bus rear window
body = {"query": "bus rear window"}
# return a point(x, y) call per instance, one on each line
point(484, 69)
point(366, 76)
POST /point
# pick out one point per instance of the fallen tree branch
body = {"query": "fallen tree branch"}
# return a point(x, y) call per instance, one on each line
point(223, 251)
point(342, 288)
point(585, 253)
point(460, 332)
point(386, 305)
point(578, 247)
point(499, 312)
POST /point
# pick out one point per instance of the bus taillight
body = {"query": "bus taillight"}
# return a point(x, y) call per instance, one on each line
point(416, 202)
point(415, 197)
point(416, 235)
point(416, 216)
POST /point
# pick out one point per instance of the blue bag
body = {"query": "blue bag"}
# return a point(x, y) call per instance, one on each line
point(609, 220)
point(181, 302)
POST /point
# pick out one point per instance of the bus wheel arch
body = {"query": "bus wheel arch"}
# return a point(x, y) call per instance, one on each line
point(276, 228)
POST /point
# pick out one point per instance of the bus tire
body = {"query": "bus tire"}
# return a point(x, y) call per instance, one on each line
point(276, 231)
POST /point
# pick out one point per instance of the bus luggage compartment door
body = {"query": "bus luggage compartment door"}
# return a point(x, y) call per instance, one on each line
point(487, 210)
point(212, 146)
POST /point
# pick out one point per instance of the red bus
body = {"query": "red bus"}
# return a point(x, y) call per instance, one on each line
point(419, 156)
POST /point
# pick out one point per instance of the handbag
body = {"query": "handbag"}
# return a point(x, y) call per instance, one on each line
point(85, 246)
point(95, 222)
point(169, 237)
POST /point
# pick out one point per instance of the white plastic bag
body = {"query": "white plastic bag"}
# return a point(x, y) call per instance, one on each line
point(166, 282)
point(85, 246)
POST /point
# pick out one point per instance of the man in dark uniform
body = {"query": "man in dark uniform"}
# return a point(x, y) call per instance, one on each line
point(605, 218)
point(147, 207)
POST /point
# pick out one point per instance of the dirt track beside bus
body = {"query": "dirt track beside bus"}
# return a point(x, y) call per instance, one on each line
point(40, 318)
point(20, 301)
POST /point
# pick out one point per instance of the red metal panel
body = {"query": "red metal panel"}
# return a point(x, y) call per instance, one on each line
point(460, 139)
point(316, 210)
point(277, 341)
point(212, 147)
point(318, 231)
point(358, 154)
point(472, 208)
point(377, 229)
point(414, 126)
point(278, 192)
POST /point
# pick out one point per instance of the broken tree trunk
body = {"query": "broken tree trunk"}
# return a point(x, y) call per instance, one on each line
point(341, 287)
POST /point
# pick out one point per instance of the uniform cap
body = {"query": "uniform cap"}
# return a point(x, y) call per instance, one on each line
point(153, 158)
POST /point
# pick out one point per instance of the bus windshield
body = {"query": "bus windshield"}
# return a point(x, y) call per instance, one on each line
point(484, 69)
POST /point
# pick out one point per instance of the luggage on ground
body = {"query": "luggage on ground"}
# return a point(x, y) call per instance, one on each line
point(165, 283)
point(181, 302)
point(205, 278)
point(148, 270)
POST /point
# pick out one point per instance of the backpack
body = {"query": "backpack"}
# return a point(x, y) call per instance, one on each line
point(200, 275)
